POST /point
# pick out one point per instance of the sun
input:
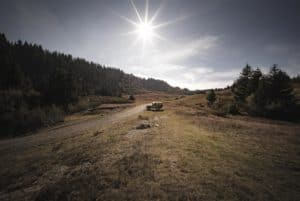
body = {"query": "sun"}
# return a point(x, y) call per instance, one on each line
point(145, 31)
point(144, 27)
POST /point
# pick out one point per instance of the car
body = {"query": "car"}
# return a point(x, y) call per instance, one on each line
point(155, 106)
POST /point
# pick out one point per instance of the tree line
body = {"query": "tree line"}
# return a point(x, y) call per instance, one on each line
point(37, 82)
point(268, 95)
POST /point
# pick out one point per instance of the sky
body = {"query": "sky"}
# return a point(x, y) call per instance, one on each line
point(195, 44)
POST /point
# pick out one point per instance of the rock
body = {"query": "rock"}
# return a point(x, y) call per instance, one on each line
point(143, 126)
point(97, 133)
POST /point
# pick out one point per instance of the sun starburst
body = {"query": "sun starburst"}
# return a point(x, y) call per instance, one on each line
point(144, 27)
point(145, 31)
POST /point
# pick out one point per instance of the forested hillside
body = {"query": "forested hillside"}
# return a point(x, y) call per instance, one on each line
point(35, 81)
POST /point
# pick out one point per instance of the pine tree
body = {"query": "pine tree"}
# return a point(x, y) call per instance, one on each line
point(241, 86)
point(254, 80)
point(274, 96)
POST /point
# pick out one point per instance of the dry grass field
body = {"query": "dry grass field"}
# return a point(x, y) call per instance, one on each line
point(188, 153)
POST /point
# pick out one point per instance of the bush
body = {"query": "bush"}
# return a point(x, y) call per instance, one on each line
point(24, 120)
point(232, 108)
point(211, 97)
point(275, 110)
point(79, 106)
point(132, 98)
point(226, 109)
point(11, 100)
point(53, 115)
point(220, 113)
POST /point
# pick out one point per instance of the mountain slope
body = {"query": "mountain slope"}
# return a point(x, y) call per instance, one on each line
point(37, 86)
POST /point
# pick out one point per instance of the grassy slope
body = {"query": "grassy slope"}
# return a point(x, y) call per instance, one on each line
point(188, 154)
point(239, 158)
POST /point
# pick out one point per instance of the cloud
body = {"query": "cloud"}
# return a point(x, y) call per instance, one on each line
point(201, 77)
point(199, 47)
point(165, 64)
point(188, 77)
point(170, 54)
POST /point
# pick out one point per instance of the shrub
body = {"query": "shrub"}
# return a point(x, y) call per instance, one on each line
point(53, 115)
point(24, 120)
point(211, 97)
point(21, 121)
point(11, 100)
point(226, 109)
point(79, 106)
point(132, 98)
point(220, 113)
point(232, 108)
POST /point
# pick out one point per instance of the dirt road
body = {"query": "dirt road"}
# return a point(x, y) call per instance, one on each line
point(68, 130)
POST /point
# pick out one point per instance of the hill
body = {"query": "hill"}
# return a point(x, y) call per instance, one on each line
point(37, 86)
point(33, 67)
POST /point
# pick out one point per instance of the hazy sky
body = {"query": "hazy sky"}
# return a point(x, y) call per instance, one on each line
point(203, 44)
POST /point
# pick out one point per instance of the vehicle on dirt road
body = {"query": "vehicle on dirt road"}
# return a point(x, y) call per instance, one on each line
point(155, 106)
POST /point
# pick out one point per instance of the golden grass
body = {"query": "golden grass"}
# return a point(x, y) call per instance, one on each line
point(190, 155)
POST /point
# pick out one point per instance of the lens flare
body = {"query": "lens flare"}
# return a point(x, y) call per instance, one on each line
point(144, 26)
